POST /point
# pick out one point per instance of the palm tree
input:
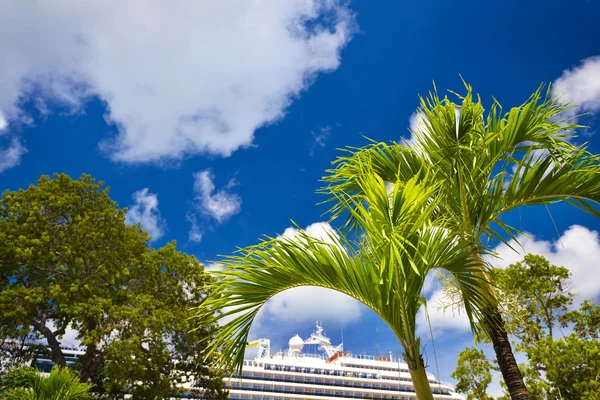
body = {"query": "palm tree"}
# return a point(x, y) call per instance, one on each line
point(27, 383)
point(482, 167)
point(383, 267)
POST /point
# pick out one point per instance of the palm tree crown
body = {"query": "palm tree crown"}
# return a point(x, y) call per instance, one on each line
point(482, 167)
point(397, 245)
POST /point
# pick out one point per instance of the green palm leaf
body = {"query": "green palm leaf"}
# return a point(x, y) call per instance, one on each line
point(482, 167)
point(29, 383)
point(384, 268)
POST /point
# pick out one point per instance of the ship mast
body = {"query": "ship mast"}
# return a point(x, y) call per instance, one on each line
point(323, 341)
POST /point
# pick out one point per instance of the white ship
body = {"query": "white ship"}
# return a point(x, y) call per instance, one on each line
point(334, 374)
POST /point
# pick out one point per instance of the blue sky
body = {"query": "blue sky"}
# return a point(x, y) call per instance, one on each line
point(214, 121)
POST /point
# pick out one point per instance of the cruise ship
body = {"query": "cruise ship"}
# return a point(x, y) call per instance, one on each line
point(294, 374)
point(332, 374)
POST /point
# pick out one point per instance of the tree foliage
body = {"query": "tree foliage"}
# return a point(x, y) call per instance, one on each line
point(69, 261)
point(535, 295)
point(571, 366)
point(474, 374)
point(536, 299)
point(585, 320)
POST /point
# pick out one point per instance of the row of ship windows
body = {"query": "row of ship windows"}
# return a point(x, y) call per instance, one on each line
point(302, 379)
point(348, 395)
point(374, 367)
point(334, 372)
point(323, 392)
point(279, 367)
point(313, 392)
point(317, 371)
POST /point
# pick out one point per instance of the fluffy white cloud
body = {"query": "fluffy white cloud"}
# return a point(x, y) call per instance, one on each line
point(220, 205)
point(178, 78)
point(318, 230)
point(581, 86)
point(216, 205)
point(577, 249)
point(145, 212)
point(10, 156)
point(305, 304)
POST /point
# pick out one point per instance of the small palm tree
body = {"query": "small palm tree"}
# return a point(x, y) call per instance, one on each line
point(384, 267)
point(26, 383)
point(482, 167)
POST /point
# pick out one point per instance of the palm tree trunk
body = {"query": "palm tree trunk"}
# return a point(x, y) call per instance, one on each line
point(416, 367)
point(493, 324)
point(504, 354)
point(421, 384)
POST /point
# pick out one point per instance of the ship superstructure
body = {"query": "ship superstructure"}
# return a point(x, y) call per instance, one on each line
point(333, 374)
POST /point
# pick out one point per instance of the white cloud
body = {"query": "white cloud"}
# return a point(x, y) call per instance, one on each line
point(145, 212)
point(581, 86)
point(416, 122)
point(318, 230)
point(3, 123)
point(195, 234)
point(220, 205)
point(10, 156)
point(69, 339)
point(309, 303)
point(213, 267)
point(178, 78)
point(577, 249)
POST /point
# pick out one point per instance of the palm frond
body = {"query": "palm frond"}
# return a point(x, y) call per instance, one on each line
point(28, 383)
point(384, 270)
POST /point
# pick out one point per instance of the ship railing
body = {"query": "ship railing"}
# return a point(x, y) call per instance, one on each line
point(311, 355)
point(448, 384)
point(359, 356)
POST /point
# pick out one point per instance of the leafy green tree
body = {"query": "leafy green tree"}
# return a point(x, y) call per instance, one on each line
point(571, 365)
point(585, 320)
point(483, 166)
point(384, 268)
point(535, 296)
point(157, 346)
point(67, 259)
point(63, 248)
point(474, 374)
point(535, 302)
point(26, 383)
